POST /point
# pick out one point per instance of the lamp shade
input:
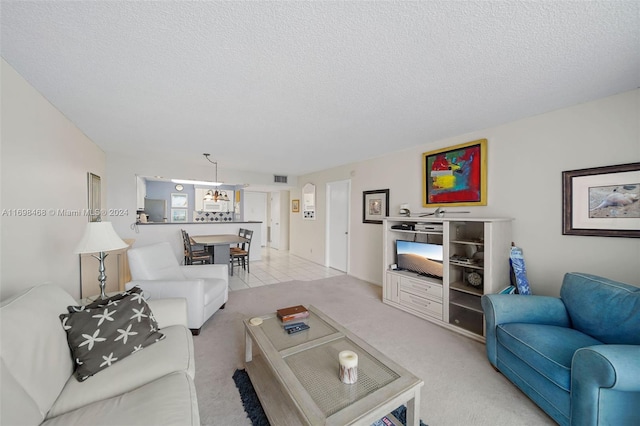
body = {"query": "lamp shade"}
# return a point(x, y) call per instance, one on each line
point(99, 236)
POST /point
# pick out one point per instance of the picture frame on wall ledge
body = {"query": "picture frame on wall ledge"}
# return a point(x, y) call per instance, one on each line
point(602, 201)
point(456, 175)
point(375, 205)
point(94, 197)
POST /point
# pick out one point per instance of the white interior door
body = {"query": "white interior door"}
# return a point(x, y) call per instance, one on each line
point(255, 208)
point(275, 220)
point(338, 194)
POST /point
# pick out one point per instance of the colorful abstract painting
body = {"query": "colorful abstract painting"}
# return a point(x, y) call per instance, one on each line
point(456, 176)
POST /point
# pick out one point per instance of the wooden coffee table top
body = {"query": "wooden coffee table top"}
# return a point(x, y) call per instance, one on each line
point(306, 366)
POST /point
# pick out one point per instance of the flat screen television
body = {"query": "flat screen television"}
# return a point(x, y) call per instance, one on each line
point(421, 258)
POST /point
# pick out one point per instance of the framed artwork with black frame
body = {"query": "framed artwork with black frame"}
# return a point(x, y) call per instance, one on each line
point(602, 201)
point(375, 205)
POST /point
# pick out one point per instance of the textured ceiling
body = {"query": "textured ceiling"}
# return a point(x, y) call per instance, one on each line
point(296, 87)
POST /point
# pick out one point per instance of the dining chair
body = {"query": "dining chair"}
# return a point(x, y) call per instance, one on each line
point(192, 256)
point(238, 246)
point(241, 254)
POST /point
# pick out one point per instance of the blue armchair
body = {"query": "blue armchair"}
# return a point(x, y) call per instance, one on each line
point(577, 356)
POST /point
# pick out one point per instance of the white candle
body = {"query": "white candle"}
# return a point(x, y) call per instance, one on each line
point(348, 366)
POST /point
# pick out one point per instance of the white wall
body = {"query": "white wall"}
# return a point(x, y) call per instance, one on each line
point(45, 160)
point(526, 159)
point(255, 208)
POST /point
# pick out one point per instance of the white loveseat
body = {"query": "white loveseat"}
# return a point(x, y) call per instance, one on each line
point(153, 386)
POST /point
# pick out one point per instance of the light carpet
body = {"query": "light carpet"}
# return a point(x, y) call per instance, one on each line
point(461, 387)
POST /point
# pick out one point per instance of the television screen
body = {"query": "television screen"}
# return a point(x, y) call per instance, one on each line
point(422, 258)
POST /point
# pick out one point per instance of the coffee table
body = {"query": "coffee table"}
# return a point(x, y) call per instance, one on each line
point(296, 375)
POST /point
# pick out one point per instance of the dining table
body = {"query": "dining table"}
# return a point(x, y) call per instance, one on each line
point(219, 246)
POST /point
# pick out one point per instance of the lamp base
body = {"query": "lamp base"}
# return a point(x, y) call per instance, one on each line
point(102, 278)
point(103, 294)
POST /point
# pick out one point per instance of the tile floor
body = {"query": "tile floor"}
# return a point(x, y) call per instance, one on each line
point(277, 266)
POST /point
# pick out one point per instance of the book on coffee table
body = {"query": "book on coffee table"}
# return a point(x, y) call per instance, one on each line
point(292, 313)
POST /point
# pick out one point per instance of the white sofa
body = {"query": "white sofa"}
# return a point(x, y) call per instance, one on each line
point(153, 386)
point(155, 269)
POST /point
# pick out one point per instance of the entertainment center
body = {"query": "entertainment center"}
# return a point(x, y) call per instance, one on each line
point(474, 256)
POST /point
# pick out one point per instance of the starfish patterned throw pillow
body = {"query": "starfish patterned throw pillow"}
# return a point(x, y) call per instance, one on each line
point(107, 331)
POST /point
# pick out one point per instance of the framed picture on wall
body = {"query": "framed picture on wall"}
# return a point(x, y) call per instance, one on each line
point(456, 176)
point(179, 200)
point(295, 206)
point(178, 215)
point(602, 201)
point(94, 196)
point(375, 205)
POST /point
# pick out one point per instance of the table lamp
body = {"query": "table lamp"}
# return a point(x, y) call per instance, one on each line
point(100, 237)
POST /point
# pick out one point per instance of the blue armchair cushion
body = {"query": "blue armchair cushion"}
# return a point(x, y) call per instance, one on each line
point(548, 349)
point(606, 310)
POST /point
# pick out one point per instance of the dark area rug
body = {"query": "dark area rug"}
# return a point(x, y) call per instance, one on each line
point(256, 414)
point(250, 400)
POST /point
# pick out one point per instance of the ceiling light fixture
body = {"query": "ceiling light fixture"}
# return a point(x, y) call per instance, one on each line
point(196, 182)
point(201, 182)
point(215, 163)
